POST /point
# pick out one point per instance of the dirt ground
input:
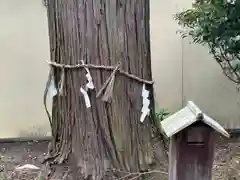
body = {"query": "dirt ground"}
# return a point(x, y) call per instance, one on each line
point(227, 160)
point(13, 155)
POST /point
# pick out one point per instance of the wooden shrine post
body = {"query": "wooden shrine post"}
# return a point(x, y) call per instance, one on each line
point(191, 151)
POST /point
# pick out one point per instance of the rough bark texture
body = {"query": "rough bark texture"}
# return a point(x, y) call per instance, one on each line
point(107, 135)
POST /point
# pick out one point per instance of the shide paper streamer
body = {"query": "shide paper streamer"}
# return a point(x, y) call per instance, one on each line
point(52, 90)
point(89, 85)
point(146, 102)
point(86, 98)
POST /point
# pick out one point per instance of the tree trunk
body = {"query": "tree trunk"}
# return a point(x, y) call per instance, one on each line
point(109, 135)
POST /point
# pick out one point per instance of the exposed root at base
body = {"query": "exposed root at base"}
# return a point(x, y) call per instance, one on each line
point(59, 172)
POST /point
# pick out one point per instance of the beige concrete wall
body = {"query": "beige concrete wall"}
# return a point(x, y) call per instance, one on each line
point(166, 52)
point(186, 71)
point(24, 48)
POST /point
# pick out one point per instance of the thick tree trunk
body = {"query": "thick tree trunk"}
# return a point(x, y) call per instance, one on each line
point(109, 134)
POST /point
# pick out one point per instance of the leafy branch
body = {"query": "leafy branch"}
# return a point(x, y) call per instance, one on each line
point(216, 24)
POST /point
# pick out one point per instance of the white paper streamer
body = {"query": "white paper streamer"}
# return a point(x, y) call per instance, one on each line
point(89, 85)
point(52, 90)
point(146, 102)
point(86, 97)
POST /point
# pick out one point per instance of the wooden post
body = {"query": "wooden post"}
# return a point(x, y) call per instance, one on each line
point(192, 142)
point(192, 154)
point(172, 159)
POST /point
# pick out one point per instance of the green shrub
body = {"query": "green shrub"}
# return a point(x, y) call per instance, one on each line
point(216, 24)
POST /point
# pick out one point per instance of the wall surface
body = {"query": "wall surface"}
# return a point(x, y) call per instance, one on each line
point(185, 71)
point(182, 71)
point(24, 48)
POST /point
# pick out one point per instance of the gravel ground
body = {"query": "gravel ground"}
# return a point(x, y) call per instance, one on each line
point(13, 155)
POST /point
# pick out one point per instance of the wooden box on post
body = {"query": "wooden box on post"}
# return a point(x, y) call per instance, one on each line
point(191, 151)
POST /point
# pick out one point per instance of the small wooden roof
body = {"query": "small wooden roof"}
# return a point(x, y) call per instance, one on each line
point(187, 116)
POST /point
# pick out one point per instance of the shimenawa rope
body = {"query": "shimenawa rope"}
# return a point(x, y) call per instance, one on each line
point(107, 89)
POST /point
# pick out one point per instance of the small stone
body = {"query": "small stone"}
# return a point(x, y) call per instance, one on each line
point(27, 167)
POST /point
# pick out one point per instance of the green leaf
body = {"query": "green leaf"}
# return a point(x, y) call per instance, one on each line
point(215, 23)
point(236, 65)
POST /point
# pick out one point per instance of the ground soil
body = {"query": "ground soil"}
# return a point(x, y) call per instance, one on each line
point(227, 160)
point(12, 155)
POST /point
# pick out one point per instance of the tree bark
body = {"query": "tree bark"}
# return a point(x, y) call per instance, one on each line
point(109, 135)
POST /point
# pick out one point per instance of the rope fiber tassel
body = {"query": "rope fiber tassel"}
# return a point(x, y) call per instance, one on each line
point(106, 91)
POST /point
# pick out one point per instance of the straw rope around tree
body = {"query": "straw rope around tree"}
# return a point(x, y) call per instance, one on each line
point(105, 91)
